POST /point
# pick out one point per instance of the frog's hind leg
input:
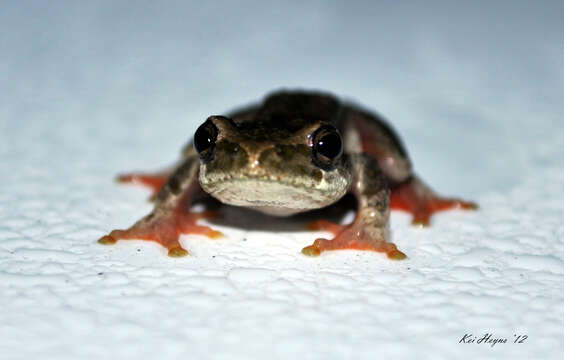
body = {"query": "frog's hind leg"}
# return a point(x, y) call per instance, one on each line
point(418, 199)
point(155, 181)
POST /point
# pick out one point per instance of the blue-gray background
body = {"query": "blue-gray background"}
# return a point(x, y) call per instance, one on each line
point(455, 79)
point(91, 89)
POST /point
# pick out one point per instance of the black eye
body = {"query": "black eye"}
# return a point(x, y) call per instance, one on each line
point(327, 146)
point(204, 140)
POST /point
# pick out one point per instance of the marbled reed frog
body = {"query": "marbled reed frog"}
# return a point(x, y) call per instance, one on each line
point(294, 152)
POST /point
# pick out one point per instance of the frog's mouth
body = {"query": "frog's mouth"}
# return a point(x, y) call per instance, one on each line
point(271, 197)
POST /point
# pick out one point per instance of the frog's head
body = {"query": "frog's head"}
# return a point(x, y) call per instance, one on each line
point(279, 171)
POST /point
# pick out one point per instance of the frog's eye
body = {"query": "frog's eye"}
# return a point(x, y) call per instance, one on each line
point(326, 146)
point(204, 140)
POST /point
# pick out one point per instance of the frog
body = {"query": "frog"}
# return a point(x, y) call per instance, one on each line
point(293, 152)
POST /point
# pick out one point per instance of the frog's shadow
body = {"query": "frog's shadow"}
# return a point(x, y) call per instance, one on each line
point(248, 219)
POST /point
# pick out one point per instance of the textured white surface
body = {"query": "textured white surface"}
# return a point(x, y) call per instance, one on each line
point(88, 91)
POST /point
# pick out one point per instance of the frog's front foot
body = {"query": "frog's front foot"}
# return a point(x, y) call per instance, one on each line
point(418, 199)
point(356, 236)
point(164, 229)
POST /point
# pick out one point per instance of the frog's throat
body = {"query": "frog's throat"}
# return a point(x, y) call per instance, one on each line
point(274, 197)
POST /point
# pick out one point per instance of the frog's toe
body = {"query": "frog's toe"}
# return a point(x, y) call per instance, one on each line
point(202, 230)
point(124, 178)
point(178, 251)
point(107, 240)
point(396, 255)
point(468, 205)
point(311, 250)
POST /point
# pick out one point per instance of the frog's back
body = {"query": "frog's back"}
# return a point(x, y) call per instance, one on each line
point(290, 110)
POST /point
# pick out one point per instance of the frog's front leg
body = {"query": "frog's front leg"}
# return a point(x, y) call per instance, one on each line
point(171, 216)
point(417, 198)
point(369, 231)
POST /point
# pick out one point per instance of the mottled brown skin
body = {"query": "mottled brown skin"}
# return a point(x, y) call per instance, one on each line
point(263, 158)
